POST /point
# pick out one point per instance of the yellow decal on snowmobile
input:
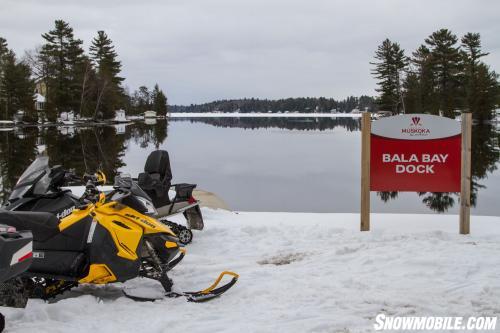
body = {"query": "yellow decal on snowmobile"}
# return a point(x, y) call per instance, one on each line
point(126, 234)
point(99, 274)
point(102, 198)
point(126, 226)
point(169, 244)
point(74, 217)
point(149, 224)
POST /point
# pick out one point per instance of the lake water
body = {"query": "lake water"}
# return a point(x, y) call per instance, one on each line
point(254, 164)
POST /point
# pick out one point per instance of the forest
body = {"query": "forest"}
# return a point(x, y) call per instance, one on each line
point(300, 104)
point(444, 76)
point(69, 79)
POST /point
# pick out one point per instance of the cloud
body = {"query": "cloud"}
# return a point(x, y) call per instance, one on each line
point(201, 50)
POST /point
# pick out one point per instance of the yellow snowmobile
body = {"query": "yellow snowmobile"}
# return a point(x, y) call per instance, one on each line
point(106, 238)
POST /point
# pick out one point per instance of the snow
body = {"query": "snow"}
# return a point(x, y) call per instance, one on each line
point(79, 190)
point(262, 115)
point(300, 272)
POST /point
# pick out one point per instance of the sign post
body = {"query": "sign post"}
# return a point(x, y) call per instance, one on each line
point(416, 153)
point(466, 174)
point(365, 171)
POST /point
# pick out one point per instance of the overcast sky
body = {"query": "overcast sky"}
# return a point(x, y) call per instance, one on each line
point(202, 50)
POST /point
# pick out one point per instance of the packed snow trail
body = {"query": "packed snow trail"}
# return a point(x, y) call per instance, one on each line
point(300, 272)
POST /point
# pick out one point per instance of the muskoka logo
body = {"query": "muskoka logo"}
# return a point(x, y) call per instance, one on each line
point(416, 128)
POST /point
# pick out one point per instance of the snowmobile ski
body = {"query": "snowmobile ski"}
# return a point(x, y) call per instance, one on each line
point(194, 296)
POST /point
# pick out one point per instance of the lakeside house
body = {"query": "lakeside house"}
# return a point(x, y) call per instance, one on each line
point(67, 118)
point(39, 102)
point(150, 114)
point(120, 116)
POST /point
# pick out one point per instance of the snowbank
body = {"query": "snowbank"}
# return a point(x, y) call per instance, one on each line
point(264, 115)
point(300, 272)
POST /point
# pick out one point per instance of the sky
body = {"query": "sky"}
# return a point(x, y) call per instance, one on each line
point(204, 50)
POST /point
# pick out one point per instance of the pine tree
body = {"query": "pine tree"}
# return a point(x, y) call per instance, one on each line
point(159, 101)
point(413, 93)
point(4, 51)
point(420, 95)
point(391, 63)
point(16, 86)
point(486, 91)
point(479, 84)
point(108, 68)
point(62, 56)
point(445, 58)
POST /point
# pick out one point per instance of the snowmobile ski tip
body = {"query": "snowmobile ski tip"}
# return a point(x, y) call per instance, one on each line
point(196, 296)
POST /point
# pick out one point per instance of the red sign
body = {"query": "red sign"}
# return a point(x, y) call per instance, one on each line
point(417, 152)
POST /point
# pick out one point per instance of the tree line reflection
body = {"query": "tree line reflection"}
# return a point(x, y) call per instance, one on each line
point(86, 149)
point(299, 123)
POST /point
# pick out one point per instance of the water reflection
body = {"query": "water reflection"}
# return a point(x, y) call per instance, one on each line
point(84, 149)
point(332, 158)
point(303, 124)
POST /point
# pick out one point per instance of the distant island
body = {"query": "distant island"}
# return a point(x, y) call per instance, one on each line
point(287, 105)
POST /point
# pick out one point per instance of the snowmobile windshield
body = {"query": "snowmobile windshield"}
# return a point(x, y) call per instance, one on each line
point(125, 181)
point(35, 176)
point(138, 200)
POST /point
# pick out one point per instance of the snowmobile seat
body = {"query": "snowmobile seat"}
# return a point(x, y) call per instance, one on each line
point(156, 178)
point(43, 225)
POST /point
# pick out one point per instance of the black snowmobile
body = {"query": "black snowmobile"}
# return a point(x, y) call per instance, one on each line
point(105, 238)
point(51, 195)
point(15, 258)
point(156, 182)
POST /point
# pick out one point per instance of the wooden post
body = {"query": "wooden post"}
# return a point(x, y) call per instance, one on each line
point(466, 174)
point(365, 171)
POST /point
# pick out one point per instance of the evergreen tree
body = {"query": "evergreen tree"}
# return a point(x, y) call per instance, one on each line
point(420, 84)
point(3, 46)
point(479, 84)
point(413, 93)
point(486, 93)
point(16, 86)
point(391, 63)
point(4, 54)
point(159, 101)
point(62, 56)
point(445, 59)
point(108, 69)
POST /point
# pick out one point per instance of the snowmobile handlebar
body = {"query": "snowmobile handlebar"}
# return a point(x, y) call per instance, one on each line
point(92, 193)
point(70, 176)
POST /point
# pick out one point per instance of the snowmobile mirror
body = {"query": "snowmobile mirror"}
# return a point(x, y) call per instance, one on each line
point(100, 177)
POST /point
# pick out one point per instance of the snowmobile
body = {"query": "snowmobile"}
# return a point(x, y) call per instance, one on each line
point(104, 238)
point(155, 181)
point(15, 258)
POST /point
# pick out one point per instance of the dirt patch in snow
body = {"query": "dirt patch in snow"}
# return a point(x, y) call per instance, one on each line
point(282, 259)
